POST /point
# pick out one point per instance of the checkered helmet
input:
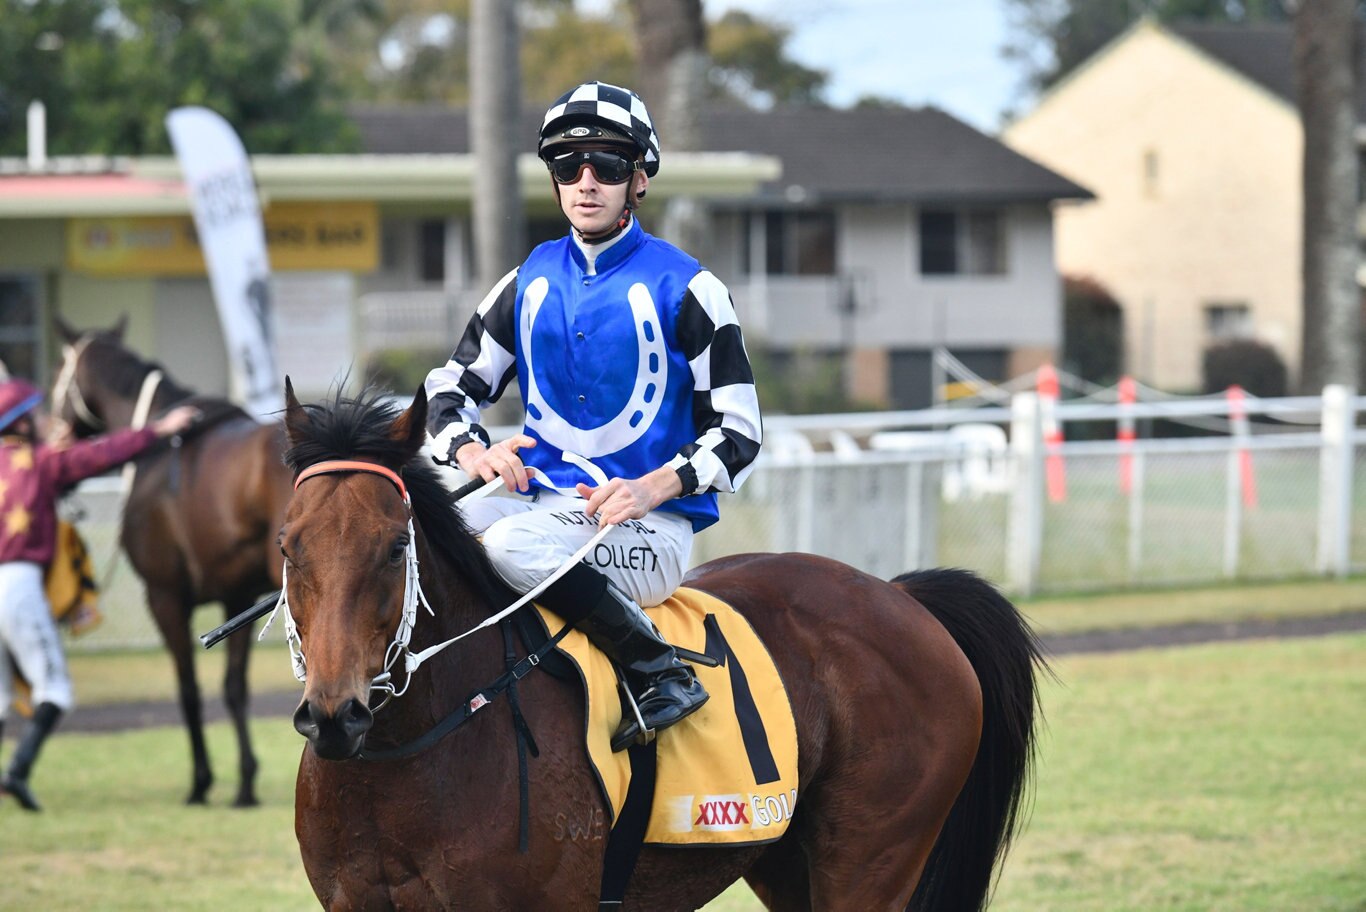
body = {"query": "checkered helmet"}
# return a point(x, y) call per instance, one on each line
point(616, 113)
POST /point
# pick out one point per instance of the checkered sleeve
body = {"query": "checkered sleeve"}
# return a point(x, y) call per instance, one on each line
point(725, 406)
point(477, 373)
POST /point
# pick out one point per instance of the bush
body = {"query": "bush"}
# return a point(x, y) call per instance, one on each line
point(1253, 365)
point(403, 370)
point(1092, 331)
point(801, 382)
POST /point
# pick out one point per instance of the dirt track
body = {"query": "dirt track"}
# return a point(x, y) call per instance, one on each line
point(123, 716)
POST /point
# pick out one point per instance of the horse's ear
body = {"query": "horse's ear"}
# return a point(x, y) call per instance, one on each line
point(410, 428)
point(69, 335)
point(296, 416)
point(120, 327)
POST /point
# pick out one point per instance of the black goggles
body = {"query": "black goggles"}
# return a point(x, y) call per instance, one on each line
point(608, 167)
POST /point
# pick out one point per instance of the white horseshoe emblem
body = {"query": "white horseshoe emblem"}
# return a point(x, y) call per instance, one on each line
point(646, 398)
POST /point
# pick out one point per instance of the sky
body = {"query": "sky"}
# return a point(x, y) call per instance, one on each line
point(941, 52)
point(946, 53)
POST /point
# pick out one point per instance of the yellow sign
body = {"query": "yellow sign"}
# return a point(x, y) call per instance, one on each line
point(299, 237)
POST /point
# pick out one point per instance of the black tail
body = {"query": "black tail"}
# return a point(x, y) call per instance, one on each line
point(1005, 653)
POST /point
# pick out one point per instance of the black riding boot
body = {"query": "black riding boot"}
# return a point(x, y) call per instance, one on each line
point(664, 688)
point(16, 780)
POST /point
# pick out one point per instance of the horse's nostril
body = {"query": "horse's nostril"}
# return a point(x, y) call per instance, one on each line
point(355, 718)
point(304, 723)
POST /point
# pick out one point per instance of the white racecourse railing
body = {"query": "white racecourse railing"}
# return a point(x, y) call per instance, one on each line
point(894, 491)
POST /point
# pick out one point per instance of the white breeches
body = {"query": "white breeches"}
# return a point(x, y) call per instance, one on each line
point(528, 538)
point(29, 633)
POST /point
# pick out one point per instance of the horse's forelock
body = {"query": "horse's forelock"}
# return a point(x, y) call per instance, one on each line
point(347, 428)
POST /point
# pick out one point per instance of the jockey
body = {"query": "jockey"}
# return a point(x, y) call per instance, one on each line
point(31, 478)
point(638, 397)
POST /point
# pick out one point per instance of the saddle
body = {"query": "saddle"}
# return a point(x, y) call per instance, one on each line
point(726, 775)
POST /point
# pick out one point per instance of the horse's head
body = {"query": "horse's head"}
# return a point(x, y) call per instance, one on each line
point(345, 540)
point(94, 364)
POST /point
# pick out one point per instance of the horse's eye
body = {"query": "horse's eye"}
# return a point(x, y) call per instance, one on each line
point(398, 552)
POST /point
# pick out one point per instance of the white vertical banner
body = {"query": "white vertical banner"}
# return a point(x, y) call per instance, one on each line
point(228, 220)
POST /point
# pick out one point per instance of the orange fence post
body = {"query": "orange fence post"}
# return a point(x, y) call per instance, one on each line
point(1047, 384)
point(1124, 433)
point(1242, 430)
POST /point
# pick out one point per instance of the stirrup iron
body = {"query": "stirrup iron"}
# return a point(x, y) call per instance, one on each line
point(631, 730)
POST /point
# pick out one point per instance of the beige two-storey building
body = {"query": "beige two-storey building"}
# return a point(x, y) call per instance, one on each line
point(1191, 141)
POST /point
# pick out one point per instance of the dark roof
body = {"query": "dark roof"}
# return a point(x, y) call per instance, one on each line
point(913, 154)
point(1263, 53)
point(920, 154)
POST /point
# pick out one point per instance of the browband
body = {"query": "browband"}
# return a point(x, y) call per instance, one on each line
point(333, 466)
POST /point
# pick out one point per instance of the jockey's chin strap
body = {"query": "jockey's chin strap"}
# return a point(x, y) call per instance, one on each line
point(412, 588)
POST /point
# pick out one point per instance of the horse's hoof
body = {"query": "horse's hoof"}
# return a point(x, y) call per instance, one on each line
point(246, 801)
point(197, 797)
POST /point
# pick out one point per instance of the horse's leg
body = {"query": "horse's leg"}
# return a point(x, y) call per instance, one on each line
point(869, 857)
point(781, 877)
point(172, 616)
point(236, 695)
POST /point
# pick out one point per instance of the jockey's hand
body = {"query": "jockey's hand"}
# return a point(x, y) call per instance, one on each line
point(176, 420)
point(498, 461)
point(60, 434)
point(630, 498)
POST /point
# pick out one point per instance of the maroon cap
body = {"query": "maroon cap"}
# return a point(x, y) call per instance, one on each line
point(17, 399)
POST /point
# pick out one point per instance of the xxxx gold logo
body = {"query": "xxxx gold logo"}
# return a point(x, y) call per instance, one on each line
point(721, 814)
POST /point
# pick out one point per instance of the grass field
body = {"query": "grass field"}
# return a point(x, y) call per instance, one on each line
point(1221, 777)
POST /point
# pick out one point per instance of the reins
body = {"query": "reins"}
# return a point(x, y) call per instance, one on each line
point(412, 595)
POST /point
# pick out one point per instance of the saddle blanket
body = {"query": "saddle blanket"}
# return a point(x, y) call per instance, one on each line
point(727, 774)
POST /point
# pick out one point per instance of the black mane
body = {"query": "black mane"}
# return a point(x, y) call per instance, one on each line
point(357, 428)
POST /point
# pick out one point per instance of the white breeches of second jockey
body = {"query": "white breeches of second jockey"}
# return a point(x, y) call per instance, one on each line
point(529, 537)
point(29, 633)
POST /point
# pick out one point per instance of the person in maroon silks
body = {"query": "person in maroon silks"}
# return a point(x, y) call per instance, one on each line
point(32, 476)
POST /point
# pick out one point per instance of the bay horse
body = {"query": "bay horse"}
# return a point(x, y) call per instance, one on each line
point(914, 703)
point(199, 522)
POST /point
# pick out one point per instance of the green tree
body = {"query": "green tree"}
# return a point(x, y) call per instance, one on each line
point(750, 63)
point(417, 50)
point(109, 72)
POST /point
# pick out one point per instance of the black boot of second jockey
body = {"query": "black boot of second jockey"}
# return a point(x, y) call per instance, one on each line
point(15, 781)
point(665, 689)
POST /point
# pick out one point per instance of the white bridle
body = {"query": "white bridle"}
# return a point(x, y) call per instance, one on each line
point(412, 590)
point(67, 389)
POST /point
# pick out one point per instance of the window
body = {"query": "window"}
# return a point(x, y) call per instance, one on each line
point(19, 326)
point(794, 243)
point(432, 251)
point(962, 242)
point(1150, 173)
point(1228, 321)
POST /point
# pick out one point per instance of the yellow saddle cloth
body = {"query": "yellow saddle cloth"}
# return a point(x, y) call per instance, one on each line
point(727, 774)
